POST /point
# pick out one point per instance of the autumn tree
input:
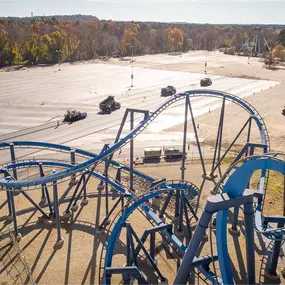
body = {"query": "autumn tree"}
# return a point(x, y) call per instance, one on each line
point(35, 49)
point(175, 39)
point(56, 41)
point(277, 50)
point(72, 42)
point(281, 37)
point(4, 48)
point(130, 38)
point(16, 57)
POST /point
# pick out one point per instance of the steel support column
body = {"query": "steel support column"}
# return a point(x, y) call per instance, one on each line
point(106, 186)
point(152, 245)
point(73, 161)
point(186, 266)
point(248, 134)
point(9, 204)
point(235, 218)
point(177, 201)
point(128, 244)
point(132, 154)
point(249, 234)
point(33, 203)
point(197, 138)
point(6, 175)
point(74, 194)
point(59, 241)
point(166, 202)
point(106, 218)
point(181, 206)
point(43, 198)
point(187, 218)
point(11, 193)
point(13, 159)
point(184, 138)
point(230, 146)
point(221, 134)
point(84, 186)
point(275, 253)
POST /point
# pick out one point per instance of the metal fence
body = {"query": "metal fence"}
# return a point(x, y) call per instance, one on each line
point(15, 266)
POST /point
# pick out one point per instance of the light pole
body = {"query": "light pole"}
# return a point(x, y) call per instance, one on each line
point(206, 64)
point(132, 67)
point(58, 51)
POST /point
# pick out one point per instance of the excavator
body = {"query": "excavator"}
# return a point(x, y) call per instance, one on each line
point(72, 116)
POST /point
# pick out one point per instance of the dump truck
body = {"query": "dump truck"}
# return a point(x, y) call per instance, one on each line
point(109, 105)
point(205, 82)
point(73, 116)
point(172, 152)
point(152, 153)
point(168, 91)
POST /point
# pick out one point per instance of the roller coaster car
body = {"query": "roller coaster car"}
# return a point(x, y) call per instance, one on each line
point(283, 112)
point(73, 116)
point(205, 82)
point(168, 91)
point(109, 105)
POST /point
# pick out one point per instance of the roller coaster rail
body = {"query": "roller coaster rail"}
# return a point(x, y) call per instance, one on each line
point(219, 204)
point(136, 131)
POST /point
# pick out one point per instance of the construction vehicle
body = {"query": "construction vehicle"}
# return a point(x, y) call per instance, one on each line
point(205, 82)
point(73, 116)
point(168, 91)
point(172, 152)
point(283, 111)
point(109, 105)
point(152, 153)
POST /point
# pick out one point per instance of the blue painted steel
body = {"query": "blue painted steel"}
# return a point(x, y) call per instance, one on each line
point(97, 175)
point(235, 185)
point(149, 213)
point(79, 152)
point(132, 134)
point(119, 224)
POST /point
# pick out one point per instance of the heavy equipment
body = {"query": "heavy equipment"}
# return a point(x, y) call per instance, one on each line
point(109, 105)
point(74, 115)
point(172, 152)
point(168, 91)
point(152, 153)
point(205, 82)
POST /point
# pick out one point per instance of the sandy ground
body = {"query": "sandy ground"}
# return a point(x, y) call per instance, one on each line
point(78, 261)
point(32, 100)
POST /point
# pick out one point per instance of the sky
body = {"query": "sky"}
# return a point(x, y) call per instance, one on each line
point(191, 11)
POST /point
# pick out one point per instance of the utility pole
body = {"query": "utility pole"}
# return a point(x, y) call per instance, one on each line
point(206, 64)
point(132, 67)
point(58, 51)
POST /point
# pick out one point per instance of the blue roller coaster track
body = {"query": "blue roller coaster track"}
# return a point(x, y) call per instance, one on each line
point(14, 184)
point(231, 184)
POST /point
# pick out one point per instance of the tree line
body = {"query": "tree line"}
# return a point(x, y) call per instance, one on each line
point(45, 40)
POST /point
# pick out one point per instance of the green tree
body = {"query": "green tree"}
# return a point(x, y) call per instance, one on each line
point(16, 56)
point(35, 49)
point(72, 47)
point(56, 41)
point(5, 51)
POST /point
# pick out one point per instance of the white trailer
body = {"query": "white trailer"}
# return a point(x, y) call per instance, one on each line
point(152, 153)
point(171, 152)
